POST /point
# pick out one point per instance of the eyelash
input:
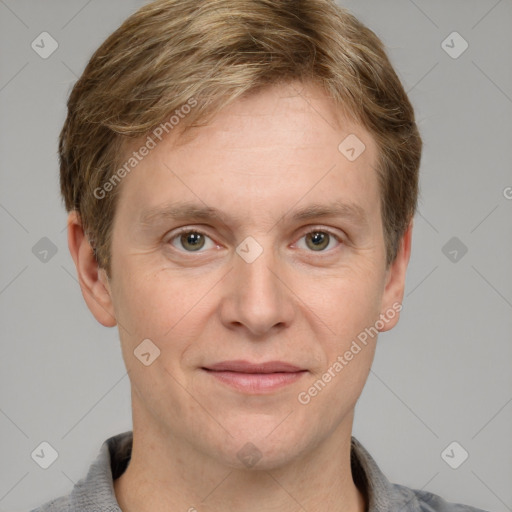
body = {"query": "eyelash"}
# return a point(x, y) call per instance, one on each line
point(198, 231)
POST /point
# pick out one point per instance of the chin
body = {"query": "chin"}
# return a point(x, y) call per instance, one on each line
point(251, 449)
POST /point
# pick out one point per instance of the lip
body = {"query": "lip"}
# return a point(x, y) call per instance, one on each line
point(255, 378)
point(241, 366)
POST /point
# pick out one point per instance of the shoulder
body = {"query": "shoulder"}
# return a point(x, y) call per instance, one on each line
point(95, 491)
point(429, 502)
point(61, 504)
point(67, 504)
point(384, 496)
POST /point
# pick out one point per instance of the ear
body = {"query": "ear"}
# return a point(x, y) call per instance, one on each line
point(93, 280)
point(395, 282)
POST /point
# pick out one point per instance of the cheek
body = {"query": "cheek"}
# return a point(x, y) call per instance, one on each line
point(148, 305)
point(347, 301)
point(349, 309)
point(171, 308)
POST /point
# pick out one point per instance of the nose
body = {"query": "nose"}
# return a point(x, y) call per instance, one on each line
point(256, 297)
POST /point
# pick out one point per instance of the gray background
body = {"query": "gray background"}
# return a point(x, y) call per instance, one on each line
point(442, 375)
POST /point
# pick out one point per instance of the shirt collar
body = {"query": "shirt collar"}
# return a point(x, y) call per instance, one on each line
point(380, 493)
point(97, 489)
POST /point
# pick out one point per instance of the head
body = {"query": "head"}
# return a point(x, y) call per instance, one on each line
point(260, 114)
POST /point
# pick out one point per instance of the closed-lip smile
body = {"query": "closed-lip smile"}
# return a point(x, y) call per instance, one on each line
point(255, 378)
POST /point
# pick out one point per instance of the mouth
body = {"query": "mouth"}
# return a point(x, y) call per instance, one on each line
point(255, 378)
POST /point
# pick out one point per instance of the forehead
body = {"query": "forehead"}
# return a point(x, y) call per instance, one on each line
point(285, 145)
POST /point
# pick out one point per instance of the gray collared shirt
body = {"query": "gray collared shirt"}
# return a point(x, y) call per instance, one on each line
point(95, 492)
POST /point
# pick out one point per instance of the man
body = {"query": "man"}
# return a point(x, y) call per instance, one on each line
point(241, 178)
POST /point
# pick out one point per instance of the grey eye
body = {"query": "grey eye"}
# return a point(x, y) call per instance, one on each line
point(317, 240)
point(190, 241)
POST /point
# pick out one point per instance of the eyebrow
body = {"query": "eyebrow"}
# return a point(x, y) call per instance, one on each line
point(182, 211)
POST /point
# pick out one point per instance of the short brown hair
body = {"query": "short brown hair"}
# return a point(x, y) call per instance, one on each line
point(214, 51)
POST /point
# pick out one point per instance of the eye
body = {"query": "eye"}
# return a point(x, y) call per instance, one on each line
point(191, 240)
point(319, 239)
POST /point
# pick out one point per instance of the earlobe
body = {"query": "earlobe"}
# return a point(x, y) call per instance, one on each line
point(92, 279)
point(395, 282)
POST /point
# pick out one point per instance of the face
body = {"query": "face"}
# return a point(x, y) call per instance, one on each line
point(287, 268)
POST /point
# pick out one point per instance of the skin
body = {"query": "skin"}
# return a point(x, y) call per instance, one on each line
point(258, 161)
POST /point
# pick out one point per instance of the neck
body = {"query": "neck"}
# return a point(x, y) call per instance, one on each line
point(165, 473)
